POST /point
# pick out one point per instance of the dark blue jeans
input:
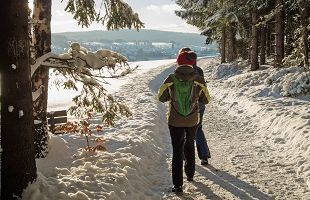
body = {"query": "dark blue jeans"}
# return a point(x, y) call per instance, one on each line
point(201, 142)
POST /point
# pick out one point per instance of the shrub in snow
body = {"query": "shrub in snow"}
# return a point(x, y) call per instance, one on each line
point(278, 76)
point(289, 82)
point(83, 127)
point(296, 85)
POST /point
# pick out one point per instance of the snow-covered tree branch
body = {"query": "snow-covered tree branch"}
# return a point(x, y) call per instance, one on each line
point(80, 66)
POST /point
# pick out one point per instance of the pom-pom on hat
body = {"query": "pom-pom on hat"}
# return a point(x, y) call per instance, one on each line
point(187, 58)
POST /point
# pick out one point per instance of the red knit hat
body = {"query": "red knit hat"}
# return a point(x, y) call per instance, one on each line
point(183, 59)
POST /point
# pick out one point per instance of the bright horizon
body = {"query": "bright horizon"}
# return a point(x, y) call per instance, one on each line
point(157, 15)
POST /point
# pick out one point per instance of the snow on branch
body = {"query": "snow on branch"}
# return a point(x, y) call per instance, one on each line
point(94, 60)
point(40, 60)
point(37, 93)
point(89, 69)
point(97, 59)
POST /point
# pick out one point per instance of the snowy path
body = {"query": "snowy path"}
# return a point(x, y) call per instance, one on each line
point(242, 166)
point(239, 169)
point(254, 153)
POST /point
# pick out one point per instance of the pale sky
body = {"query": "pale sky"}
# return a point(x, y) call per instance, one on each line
point(156, 14)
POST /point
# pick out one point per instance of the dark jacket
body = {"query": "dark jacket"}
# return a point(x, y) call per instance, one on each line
point(198, 70)
point(200, 94)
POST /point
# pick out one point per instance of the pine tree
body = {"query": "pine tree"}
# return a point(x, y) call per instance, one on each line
point(18, 167)
point(281, 26)
point(118, 14)
point(210, 18)
point(305, 14)
point(254, 47)
point(279, 32)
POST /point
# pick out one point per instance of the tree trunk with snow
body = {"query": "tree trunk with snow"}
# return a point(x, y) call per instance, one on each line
point(262, 58)
point(305, 33)
point(279, 32)
point(254, 52)
point(42, 45)
point(231, 45)
point(223, 46)
point(18, 167)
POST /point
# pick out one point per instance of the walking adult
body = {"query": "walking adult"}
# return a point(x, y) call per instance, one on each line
point(201, 142)
point(183, 90)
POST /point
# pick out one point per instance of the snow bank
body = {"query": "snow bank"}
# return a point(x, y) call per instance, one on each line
point(286, 82)
point(130, 169)
point(265, 96)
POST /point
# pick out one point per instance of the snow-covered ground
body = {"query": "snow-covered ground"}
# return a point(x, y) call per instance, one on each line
point(258, 140)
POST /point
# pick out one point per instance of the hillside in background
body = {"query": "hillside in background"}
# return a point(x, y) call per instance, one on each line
point(136, 46)
point(133, 35)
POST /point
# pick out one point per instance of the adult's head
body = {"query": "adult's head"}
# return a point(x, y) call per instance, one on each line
point(187, 58)
point(184, 49)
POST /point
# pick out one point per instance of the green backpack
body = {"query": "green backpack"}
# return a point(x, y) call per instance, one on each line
point(183, 96)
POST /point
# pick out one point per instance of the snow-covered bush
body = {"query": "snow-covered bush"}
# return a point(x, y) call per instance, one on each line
point(286, 82)
point(278, 76)
point(289, 82)
point(296, 85)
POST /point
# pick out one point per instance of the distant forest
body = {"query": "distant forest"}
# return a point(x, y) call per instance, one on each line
point(126, 35)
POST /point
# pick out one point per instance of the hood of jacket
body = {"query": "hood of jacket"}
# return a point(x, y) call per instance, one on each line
point(185, 73)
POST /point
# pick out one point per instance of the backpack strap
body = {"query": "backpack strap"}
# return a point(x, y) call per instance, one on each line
point(175, 79)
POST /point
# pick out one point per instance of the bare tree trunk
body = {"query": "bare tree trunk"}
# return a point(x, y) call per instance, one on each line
point(254, 52)
point(305, 34)
point(262, 58)
point(42, 45)
point(269, 41)
point(250, 38)
point(245, 46)
point(18, 167)
point(231, 45)
point(223, 46)
point(244, 50)
point(279, 46)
